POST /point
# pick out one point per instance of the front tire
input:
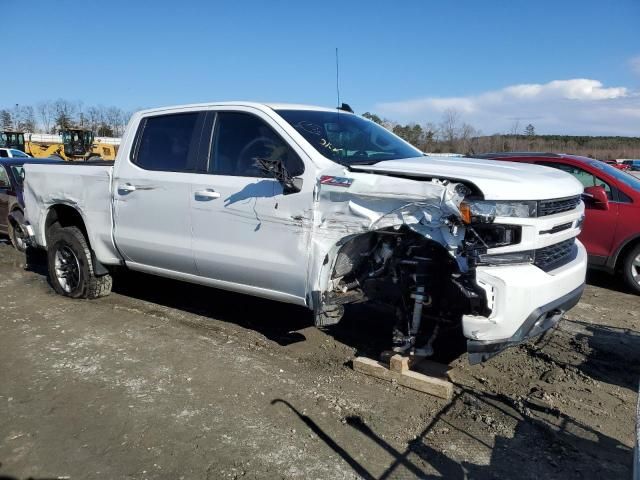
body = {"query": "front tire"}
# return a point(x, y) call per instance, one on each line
point(70, 266)
point(631, 269)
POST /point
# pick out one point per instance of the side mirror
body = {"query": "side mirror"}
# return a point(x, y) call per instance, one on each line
point(277, 170)
point(597, 196)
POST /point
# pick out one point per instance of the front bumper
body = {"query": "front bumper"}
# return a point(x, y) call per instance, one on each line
point(524, 301)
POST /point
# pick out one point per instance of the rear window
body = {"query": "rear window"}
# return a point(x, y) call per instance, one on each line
point(619, 175)
point(169, 143)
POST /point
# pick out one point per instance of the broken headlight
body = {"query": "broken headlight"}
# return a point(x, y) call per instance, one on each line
point(483, 211)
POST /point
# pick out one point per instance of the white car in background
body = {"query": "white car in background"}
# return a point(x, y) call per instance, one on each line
point(13, 153)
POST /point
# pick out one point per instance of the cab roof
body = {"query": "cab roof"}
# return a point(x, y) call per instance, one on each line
point(258, 105)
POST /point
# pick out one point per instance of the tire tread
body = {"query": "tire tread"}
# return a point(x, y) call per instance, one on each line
point(95, 287)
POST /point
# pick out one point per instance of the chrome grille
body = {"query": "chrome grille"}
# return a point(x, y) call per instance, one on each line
point(554, 256)
point(557, 205)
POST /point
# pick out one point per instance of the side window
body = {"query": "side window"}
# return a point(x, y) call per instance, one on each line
point(240, 139)
point(4, 179)
point(4, 153)
point(169, 143)
point(584, 177)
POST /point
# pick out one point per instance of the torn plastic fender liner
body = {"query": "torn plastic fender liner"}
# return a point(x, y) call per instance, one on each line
point(369, 202)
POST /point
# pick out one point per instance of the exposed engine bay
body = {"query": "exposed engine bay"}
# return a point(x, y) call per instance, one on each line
point(420, 266)
point(414, 276)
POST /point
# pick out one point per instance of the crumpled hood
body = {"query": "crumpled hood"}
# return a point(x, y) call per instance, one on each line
point(498, 180)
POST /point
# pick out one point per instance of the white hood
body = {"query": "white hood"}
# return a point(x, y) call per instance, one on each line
point(498, 180)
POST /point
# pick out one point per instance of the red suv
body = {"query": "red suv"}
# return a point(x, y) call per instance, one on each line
point(618, 165)
point(611, 231)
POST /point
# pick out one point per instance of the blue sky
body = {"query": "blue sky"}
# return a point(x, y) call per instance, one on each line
point(408, 60)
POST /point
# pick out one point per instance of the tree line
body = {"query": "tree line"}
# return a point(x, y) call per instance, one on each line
point(453, 135)
point(52, 116)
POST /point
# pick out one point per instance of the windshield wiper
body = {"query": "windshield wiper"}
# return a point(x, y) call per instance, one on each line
point(369, 162)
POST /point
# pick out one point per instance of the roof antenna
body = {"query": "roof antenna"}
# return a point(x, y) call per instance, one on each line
point(345, 107)
point(338, 76)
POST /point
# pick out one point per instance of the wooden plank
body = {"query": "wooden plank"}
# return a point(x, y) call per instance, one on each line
point(399, 364)
point(417, 381)
point(419, 364)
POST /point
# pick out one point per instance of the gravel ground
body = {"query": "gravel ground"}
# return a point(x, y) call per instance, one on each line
point(168, 380)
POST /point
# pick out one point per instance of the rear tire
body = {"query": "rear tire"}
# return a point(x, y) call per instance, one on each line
point(631, 269)
point(70, 266)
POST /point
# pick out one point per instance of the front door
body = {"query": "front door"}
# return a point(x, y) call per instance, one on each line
point(599, 228)
point(152, 192)
point(246, 230)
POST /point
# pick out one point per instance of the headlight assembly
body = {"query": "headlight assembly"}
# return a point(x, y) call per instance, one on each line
point(483, 211)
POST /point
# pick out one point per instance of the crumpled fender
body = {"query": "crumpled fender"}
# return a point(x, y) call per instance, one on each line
point(357, 203)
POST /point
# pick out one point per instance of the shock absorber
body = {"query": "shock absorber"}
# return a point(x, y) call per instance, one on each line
point(419, 297)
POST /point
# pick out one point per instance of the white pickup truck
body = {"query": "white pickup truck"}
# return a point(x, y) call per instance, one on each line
point(321, 208)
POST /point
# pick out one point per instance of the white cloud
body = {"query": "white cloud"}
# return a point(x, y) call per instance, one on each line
point(575, 106)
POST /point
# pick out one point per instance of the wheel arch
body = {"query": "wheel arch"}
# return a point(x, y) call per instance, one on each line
point(66, 216)
point(625, 247)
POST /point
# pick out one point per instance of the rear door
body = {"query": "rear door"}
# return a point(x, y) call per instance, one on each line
point(246, 230)
point(152, 190)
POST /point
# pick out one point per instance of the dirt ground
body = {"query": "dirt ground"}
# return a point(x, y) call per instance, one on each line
point(168, 380)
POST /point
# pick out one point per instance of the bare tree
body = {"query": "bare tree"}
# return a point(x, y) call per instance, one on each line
point(515, 129)
point(45, 113)
point(114, 117)
point(81, 117)
point(467, 132)
point(95, 118)
point(27, 119)
point(449, 127)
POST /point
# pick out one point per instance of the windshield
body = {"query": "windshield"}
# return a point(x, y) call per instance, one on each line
point(348, 139)
point(619, 175)
point(19, 154)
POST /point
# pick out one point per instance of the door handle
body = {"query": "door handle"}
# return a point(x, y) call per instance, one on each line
point(208, 194)
point(127, 187)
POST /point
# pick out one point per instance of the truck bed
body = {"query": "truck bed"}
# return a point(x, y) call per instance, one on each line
point(85, 187)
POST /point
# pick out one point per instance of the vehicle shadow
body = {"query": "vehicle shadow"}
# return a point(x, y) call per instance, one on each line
point(605, 353)
point(559, 447)
point(277, 321)
point(598, 278)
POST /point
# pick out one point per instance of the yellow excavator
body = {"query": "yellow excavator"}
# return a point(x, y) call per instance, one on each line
point(74, 144)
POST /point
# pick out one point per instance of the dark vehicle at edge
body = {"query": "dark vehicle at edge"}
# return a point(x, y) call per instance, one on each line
point(11, 201)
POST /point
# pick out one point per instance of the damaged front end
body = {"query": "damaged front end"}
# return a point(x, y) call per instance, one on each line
point(401, 243)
